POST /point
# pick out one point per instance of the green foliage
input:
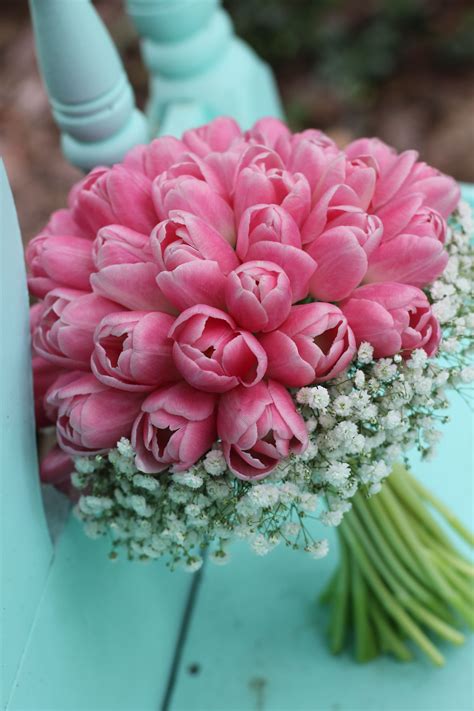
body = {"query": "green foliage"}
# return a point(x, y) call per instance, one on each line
point(353, 46)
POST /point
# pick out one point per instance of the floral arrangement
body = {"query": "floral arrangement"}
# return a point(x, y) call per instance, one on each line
point(240, 332)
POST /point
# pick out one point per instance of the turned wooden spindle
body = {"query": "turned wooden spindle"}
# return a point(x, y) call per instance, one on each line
point(90, 96)
point(196, 62)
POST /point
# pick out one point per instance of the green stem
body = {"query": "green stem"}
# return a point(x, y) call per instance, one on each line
point(339, 610)
point(365, 641)
point(441, 628)
point(398, 483)
point(457, 562)
point(380, 538)
point(442, 509)
point(439, 583)
point(390, 641)
point(386, 598)
point(464, 587)
point(402, 522)
point(454, 560)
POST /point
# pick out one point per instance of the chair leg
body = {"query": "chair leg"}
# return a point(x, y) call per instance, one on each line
point(90, 96)
point(194, 57)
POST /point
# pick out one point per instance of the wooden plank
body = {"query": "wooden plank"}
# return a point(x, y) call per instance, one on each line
point(257, 637)
point(26, 547)
point(105, 633)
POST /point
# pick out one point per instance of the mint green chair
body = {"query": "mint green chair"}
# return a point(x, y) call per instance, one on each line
point(80, 633)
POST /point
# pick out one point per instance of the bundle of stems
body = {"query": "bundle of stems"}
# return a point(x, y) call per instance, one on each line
point(400, 578)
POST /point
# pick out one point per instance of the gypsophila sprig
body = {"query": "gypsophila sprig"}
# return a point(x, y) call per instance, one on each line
point(358, 424)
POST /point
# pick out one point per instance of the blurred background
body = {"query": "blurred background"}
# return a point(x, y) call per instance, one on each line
point(399, 69)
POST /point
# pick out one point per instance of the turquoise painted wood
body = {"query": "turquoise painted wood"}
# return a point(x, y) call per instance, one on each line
point(192, 53)
point(105, 632)
point(25, 544)
point(91, 98)
point(257, 634)
point(79, 632)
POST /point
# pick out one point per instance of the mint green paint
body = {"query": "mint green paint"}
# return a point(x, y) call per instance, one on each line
point(259, 637)
point(193, 55)
point(25, 543)
point(90, 95)
point(104, 634)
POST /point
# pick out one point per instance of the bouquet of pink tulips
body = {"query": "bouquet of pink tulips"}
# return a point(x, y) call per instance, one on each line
point(237, 333)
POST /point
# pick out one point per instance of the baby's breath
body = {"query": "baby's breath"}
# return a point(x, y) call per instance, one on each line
point(358, 425)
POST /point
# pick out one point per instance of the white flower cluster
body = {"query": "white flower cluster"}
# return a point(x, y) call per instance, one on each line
point(359, 424)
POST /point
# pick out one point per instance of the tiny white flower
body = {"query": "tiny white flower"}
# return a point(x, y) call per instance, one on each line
point(310, 452)
point(260, 545)
point(331, 518)
point(318, 398)
point(220, 557)
point(384, 369)
point(290, 529)
point(194, 481)
point(95, 505)
point(146, 482)
point(318, 549)
point(311, 424)
point(264, 495)
point(365, 354)
point(125, 448)
point(326, 421)
point(392, 419)
point(467, 374)
point(337, 473)
point(308, 502)
point(85, 465)
point(342, 406)
point(140, 506)
point(214, 462)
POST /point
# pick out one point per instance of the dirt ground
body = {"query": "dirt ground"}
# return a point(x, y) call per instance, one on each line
point(418, 107)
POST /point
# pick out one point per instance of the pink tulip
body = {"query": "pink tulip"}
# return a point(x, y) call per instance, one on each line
point(45, 374)
point(255, 186)
point(338, 200)
point(133, 352)
point(416, 257)
point(56, 467)
point(314, 344)
point(126, 270)
point(258, 295)
point(193, 195)
point(259, 426)
point(64, 335)
point(211, 354)
point(398, 213)
point(58, 261)
point(218, 135)
point(156, 157)
point(341, 253)
point(441, 192)
point(392, 317)
point(311, 154)
point(401, 174)
point(91, 418)
point(36, 311)
point(269, 233)
point(176, 427)
point(193, 259)
point(62, 223)
point(269, 131)
point(266, 223)
point(114, 196)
